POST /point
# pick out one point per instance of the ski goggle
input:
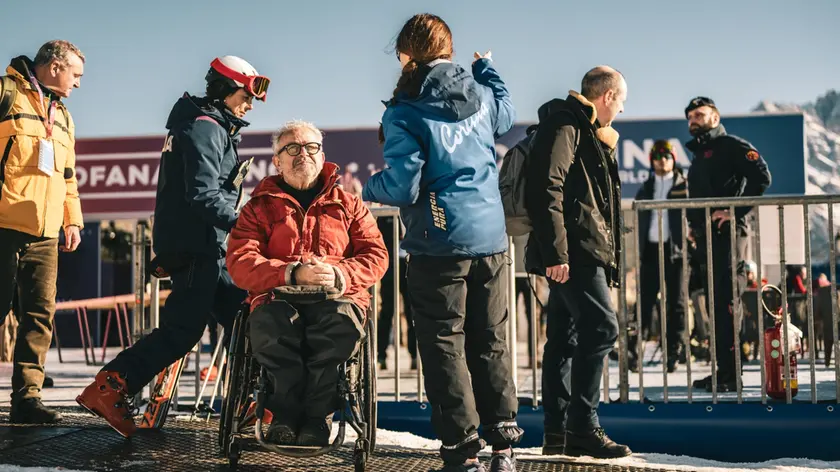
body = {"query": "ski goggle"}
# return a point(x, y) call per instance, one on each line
point(662, 152)
point(256, 85)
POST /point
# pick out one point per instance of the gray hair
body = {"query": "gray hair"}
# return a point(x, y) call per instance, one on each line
point(57, 50)
point(290, 127)
point(599, 80)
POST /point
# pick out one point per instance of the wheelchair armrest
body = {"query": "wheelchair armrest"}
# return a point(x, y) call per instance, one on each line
point(305, 293)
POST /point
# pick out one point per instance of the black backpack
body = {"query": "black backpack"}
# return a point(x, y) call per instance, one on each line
point(8, 93)
point(512, 183)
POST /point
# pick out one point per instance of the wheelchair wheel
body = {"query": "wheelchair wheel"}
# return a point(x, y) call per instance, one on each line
point(369, 408)
point(236, 383)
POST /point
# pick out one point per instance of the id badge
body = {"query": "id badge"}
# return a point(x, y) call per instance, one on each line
point(46, 157)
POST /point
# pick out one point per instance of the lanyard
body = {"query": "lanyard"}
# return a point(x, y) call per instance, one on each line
point(49, 116)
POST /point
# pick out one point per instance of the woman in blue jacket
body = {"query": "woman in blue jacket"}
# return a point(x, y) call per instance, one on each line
point(440, 170)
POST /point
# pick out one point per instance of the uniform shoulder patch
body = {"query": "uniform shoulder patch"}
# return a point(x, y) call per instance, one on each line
point(752, 155)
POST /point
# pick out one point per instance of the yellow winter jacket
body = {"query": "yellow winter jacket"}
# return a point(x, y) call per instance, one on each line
point(30, 200)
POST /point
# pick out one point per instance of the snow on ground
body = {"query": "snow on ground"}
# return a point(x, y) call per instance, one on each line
point(397, 440)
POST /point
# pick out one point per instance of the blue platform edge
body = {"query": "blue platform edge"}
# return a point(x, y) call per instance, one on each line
point(749, 432)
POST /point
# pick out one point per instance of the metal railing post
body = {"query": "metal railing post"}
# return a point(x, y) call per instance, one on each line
point(685, 296)
point(786, 377)
point(663, 309)
point(760, 307)
point(809, 299)
point(535, 324)
point(640, 341)
point(736, 299)
point(710, 294)
point(623, 377)
point(834, 320)
point(512, 318)
point(395, 266)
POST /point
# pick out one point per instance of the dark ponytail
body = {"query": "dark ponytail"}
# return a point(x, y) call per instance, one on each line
point(411, 79)
point(424, 38)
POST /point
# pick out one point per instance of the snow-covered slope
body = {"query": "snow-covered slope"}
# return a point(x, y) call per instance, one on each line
point(822, 128)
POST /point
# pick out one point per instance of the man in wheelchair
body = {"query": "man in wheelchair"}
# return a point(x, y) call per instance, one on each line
point(306, 251)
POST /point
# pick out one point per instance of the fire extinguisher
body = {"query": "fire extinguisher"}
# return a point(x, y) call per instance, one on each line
point(776, 350)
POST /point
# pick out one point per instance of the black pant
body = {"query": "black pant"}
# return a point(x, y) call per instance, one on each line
point(203, 289)
point(460, 314)
point(30, 265)
point(387, 314)
point(675, 306)
point(301, 347)
point(582, 328)
point(724, 319)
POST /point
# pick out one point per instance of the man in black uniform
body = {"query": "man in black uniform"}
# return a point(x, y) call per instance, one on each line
point(724, 165)
point(665, 183)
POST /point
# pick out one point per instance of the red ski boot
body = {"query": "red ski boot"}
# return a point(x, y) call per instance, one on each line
point(107, 397)
point(267, 418)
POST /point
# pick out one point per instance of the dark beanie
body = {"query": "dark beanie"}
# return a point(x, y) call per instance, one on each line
point(698, 102)
point(662, 147)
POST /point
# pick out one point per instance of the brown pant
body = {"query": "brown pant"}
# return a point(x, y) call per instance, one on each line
point(29, 264)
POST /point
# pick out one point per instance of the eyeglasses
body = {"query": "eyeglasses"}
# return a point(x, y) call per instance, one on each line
point(294, 149)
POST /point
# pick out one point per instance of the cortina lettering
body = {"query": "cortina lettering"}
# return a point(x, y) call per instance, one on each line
point(464, 128)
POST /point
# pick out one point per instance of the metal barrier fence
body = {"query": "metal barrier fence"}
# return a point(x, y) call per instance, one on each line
point(706, 205)
point(624, 377)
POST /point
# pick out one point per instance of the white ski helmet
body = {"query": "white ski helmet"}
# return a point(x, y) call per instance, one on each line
point(239, 73)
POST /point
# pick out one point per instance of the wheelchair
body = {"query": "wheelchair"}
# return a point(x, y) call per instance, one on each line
point(247, 382)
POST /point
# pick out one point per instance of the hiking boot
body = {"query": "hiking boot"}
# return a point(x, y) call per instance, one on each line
point(108, 398)
point(466, 467)
point(32, 411)
point(315, 432)
point(594, 444)
point(283, 431)
point(671, 367)
point(503, 461)
point(554, 444)
point(726, 383)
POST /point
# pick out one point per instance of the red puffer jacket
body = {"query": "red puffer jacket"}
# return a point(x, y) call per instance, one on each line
point(273, 234)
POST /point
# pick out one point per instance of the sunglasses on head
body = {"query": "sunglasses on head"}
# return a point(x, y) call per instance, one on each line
point(294, 149)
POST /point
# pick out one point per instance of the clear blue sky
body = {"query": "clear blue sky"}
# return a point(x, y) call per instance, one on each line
point(330, 61)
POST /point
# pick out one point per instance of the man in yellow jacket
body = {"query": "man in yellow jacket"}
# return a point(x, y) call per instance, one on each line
point(38, 198)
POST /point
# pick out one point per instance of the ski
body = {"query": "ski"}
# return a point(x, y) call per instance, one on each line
point(158, 407)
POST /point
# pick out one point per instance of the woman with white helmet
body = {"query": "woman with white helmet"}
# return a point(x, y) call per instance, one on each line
point(199, 187)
